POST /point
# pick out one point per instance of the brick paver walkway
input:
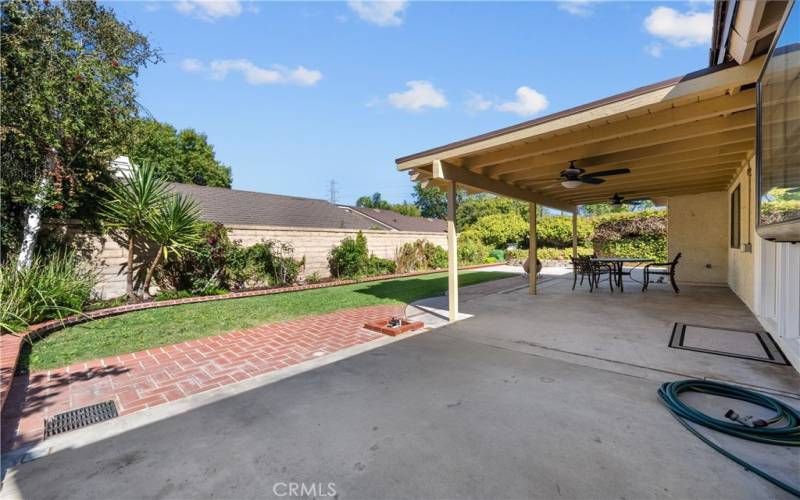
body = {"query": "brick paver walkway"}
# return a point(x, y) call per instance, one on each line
point(149, 378)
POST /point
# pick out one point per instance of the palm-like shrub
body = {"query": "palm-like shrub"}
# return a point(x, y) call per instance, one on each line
point(173, 227)
point(130, 207)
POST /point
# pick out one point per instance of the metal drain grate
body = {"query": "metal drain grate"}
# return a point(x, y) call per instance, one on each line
point(79, 417)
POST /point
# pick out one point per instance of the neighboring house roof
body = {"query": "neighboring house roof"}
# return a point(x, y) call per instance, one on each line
point(404, 222)
point(232, 207)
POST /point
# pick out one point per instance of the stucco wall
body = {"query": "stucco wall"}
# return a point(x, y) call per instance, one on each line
point(109, 258)
point(740, 260)
point(698, 228)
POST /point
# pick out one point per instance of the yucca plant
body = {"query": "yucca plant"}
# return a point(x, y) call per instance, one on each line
point(173, 227)
point(131, 205)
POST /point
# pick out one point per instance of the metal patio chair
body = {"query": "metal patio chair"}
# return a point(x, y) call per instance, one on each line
point(661, 269)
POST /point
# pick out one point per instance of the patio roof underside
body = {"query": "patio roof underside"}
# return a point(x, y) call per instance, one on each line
point(686, 135)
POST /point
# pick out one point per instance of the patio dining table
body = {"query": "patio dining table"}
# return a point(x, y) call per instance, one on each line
point(617, 264)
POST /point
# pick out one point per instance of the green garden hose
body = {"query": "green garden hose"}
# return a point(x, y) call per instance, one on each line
point(761, 431)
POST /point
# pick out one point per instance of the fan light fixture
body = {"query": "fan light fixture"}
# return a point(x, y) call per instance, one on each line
point(571, 183)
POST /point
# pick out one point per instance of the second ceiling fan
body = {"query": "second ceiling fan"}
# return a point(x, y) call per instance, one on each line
point(573, 177)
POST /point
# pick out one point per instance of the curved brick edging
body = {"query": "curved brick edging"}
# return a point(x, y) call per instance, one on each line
point(144, 379)
point(10, 344)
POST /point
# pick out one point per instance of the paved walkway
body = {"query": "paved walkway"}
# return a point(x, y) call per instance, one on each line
point(149, 378)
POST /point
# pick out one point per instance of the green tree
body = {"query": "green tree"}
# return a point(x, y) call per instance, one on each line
point(481, 205)
point(406, 208)
point(68, 84)
point(181, 156)
point(374, 201)
point(432, 202)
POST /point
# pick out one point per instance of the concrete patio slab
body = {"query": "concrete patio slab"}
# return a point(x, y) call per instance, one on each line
point(433, 416)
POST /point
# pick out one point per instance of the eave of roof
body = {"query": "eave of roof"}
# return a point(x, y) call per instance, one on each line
point(560, 114)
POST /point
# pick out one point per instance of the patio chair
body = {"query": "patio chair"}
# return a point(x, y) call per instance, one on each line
point(592, 271)
point(661, 269)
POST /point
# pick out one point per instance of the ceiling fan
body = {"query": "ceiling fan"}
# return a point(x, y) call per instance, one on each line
point(617, 200)
point(573, 176)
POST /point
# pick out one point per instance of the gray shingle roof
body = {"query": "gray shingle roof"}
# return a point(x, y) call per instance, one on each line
point(234, 207)
point(404, 222)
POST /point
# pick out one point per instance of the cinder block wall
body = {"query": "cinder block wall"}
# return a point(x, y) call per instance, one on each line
point(109, 258)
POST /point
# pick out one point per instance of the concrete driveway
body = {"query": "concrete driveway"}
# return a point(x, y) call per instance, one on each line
point(433, 416)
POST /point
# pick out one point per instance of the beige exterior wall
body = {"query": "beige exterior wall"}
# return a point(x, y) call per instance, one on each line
point(698, 227)
point(740, 260)
point(109, 258)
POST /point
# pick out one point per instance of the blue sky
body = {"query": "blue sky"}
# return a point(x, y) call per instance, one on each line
point(295, 94)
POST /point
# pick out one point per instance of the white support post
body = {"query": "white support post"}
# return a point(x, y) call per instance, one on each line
point(575, 233)
point(532, 261)
point(452, 253)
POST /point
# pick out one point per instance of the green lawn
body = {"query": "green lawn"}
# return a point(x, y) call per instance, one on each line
point(140, 330)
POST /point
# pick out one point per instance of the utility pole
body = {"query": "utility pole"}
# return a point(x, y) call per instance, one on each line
point(333, 191)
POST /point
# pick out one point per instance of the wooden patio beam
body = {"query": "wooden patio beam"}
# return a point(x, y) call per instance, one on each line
point(446, 171)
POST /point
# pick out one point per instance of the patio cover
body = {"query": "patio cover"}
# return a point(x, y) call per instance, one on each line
point(685, 135)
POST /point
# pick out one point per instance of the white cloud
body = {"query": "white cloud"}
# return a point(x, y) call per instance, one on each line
point(477, 102)
point(209, 10)
point(253, 74)
point(380, 12)
point(192, 65)
point(528, 102)
point(654, 49)
point(152, 7)
point(678, 28)
point(420, 94)
point(581, 8)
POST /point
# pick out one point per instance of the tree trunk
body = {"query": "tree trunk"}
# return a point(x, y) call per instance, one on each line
point(150, 271)
point(33, 216)
point(129, 270)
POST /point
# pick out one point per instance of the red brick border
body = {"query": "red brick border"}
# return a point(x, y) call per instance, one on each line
point(140, 380)
point(10, 344)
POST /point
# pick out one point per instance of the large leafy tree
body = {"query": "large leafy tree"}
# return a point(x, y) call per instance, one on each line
point(374, 201)
point(180, 156)
point(68, 84)
point(432, 202)
point(377, 201)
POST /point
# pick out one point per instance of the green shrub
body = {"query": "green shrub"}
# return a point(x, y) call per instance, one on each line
point(648, 247)
point(50, 288)
point(274, 263)
point(435, 256)
point(203, 266)
point(499, 255)
point(420, 255)
point(379, 267)
point(556, 231)
point(350, 258)
point(517, 256)
point(500, 230)
point(313, 278)
point(631, 234)
point(471, 250)
point(549, 253)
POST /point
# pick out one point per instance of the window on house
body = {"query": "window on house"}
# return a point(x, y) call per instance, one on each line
point(736, 214)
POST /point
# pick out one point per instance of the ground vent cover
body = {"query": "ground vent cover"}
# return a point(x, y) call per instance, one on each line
point(744, 344)
point(79, 418)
